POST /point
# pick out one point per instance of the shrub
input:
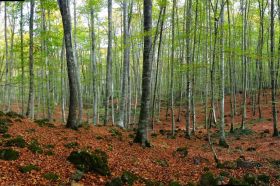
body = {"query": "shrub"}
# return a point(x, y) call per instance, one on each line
point(28, 168)
point(8, 154)
point(96, 161)
point(17, 142)
point(35, 147)
point(51, 176)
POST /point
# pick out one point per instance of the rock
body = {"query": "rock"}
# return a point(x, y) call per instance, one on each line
point(8, 154)
point(197, 160)
point(96, 161)
point(227, 165)
point(247, 164)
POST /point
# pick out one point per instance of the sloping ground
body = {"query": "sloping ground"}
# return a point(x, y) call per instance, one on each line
point(163, 162)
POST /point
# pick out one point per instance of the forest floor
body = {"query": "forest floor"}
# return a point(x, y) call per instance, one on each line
point(164, 162)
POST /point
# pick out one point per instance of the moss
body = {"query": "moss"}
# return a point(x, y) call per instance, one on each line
point(182, 151)
point(208, 179)
point(44, 123)
point(264, 178)
point(162, 162)
point(78, 175)
point(174, 183)
point(28, 168)
point(115, 182)
point(237, 182)
point(35, 147)
point(49, 146)
point(71, 145)
point(96, 161)
point(3, 128)
point(6, 135)
point(128, 178)
point(51, 176)
point(8, 154)
point(250, 178)
point(17, 142)
point(12, 114)
point(114, 132)
point(49, 153)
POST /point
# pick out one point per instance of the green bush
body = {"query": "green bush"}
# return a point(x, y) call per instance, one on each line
point(85, 161)
point(17, 142)
point(51, 176)
point(71, 145)
point(28, 168)
point(8, 154)
point(35, 147)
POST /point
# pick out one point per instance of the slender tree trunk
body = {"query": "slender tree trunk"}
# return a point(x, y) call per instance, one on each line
point(109, 64)
point(30, 105)
point(71, 67)
point(142, 132)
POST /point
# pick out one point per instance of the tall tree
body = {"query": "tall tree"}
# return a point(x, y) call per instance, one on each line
point(71, 67)
point(109, 64)
point(273, 69)
point(142, 131)
point(30, 105)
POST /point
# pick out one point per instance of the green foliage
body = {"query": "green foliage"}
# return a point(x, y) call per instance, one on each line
point(78, 175)
point(17, 142)
point(116, 133)
point(174, 183)
point(44, 123)
point(12, 114)
point(35, 147)
point(8, 154)
point(51, 176)
point(250, 178)
point(208, 179)
point(85, 161)
point(6, 135)
point(29, 168)
point(264, 178)
point(71, 145)
point(182, 151)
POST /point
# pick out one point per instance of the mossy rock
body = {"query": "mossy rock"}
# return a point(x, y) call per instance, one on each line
point(208, 179)
point(250, 178)
point(71, 145)
point(237, 182)
point(129, 178)
point(174, 183)
point(182, 151)
point(6, 135)
point(227, 165)
point(78, 175)
point(241, 163)
point(115, 182)
point(12, 114)
point(51, 176)
point(8, 154)
point(85, 161)
point(264, 178)
point(29, 168)
point(35, 147)
point(16, 142)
